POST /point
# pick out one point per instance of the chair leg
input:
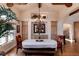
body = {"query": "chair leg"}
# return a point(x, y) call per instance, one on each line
point(16, 50)
point(61, 49)
point(75, 41)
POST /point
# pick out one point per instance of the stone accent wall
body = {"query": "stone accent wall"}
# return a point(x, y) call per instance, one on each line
point(24, 30)
point(41, 36)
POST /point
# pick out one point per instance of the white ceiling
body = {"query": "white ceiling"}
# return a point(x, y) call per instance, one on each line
point(58, 11)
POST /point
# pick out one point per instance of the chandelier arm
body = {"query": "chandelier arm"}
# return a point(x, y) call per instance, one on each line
point(39, 21)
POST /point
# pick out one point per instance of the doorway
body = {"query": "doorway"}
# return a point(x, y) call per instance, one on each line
point(68, 32)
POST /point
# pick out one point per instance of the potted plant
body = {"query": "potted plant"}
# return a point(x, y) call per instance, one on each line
point(6, 15)
point(5, 27)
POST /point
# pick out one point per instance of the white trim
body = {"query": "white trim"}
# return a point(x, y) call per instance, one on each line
point(29, 29)
point(49, 30)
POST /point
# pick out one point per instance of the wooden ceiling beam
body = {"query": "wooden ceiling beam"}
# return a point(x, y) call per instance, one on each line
point(74, 12)
point(66, 4)
point(39, 5)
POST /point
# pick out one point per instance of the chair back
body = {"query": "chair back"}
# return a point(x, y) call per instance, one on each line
point(59, 39)
point(62, 37)
point(19, 41)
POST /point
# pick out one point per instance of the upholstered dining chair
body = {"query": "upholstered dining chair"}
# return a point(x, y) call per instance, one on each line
point(2, 53)
point(59, 39)
point(18, 42)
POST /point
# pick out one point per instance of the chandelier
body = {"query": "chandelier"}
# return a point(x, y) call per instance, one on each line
point(38, 16)
point(39, 21)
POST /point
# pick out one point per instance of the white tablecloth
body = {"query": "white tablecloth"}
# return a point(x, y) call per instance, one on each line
point(45, 44)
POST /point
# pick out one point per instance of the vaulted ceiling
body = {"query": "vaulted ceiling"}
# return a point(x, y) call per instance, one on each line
point(61, 11)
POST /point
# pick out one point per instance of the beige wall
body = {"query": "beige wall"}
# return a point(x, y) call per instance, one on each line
point(53, 28)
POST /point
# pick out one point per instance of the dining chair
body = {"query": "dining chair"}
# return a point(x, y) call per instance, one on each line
point(59, 39)
point(18, 42)
point(2, 53)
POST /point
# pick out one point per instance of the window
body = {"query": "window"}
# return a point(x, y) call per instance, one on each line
point(2, 40)
point(8, 37)
point(11, 35)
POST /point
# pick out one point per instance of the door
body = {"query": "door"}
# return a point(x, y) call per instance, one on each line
point(76, 31)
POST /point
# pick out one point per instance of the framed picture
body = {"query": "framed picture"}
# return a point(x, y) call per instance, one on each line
point(39, 28)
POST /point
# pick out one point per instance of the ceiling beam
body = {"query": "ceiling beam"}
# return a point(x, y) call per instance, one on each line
point(74, 12)
point(39, 5)
point(58, 3)
point(66, 4)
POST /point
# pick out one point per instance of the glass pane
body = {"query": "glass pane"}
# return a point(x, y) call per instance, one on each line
point(11, 35)
point(2, 40)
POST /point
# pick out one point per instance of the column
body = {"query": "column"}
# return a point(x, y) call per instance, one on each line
point(29, 29)
point(49, 30)
point(60, 27)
